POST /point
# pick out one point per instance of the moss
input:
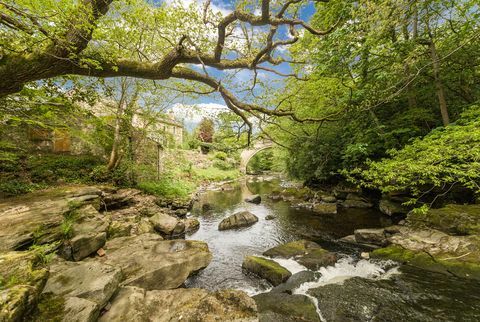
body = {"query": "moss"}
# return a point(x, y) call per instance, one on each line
point(266, 268)
point(50, 308)
point(452, 219)
point(441, 263)
point(291, 249)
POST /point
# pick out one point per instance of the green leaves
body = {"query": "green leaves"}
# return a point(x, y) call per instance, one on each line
point(445, 157)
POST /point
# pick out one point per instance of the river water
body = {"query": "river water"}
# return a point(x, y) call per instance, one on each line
point(406, 293)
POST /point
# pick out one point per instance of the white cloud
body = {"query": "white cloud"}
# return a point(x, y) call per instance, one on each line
point(192, 114)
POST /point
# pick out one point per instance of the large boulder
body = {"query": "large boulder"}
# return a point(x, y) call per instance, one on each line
point(325, 208)
point(137, 304)
point(451, 219)
point(22, 279)
point(149, 262)
point(167, 225)
point(256, 199)
point(240, 219)
point(92, 281)
point(435, 251)
point(120, 198)
point(275, 306)
point(191, 225)
point(38, 217)
point(88, 228)
point(392, 208)
point(267, 269)
point(354, 200)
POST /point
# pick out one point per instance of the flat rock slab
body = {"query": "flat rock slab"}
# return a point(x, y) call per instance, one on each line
point(267, 269)
point(150, 262)
point(137, 304)
point(38, 216)
point(240, 219)
point(373, 236)
point(274, 307)
point(92, 281)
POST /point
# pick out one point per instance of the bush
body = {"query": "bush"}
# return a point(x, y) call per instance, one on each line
point(215, 174)
point(446, 156)
point(167, 187)
point(220, 155)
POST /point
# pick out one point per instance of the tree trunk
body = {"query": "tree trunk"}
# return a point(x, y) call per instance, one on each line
point(115, 153)
point(438, 83)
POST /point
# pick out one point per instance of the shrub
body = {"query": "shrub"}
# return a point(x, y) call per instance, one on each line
point(167, 187)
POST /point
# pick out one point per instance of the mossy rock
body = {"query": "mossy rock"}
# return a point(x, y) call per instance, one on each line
point(451, 219)
point(292, 249)
point(466, 267)
point(285, 307)
point(22, 280)
point(267, 269)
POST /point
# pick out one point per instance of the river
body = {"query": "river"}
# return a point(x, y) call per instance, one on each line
point(406, 293)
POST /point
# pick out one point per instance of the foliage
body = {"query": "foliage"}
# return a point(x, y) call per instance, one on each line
point(167, 187)
point(443, 158)
point(260, 162)
point(216, 174)
point(372, 84)
point(205, 132)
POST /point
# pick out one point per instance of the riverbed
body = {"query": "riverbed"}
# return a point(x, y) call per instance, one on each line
point(406, 293)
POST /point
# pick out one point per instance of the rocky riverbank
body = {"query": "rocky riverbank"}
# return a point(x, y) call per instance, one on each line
point(80, 253)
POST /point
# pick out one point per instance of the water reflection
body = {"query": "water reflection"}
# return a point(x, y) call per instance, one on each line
point(231, 246)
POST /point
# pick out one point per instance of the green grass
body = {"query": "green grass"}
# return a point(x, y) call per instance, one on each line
point(215, 174)
point(168, 187)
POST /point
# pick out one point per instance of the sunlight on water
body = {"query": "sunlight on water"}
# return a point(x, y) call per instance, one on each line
point(344, 269)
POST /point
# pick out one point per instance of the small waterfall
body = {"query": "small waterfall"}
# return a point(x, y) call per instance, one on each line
point(344, 269)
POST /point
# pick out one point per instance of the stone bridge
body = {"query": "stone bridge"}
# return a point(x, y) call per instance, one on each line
point(249, 152)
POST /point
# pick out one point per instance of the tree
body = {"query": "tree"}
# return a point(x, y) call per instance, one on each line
point(106, 38)
point(205, 132)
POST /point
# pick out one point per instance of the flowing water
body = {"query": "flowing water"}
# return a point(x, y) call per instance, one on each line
point(406, 292)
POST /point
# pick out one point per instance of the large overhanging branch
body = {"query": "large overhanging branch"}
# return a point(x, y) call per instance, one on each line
point(63, 55)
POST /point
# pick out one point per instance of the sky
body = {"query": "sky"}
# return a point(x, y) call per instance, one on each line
point(191, 111)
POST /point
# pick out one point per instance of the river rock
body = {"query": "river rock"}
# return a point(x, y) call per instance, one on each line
point(120, 198)
point(256, 199)
point(328, 198)
point(325, 208)
point(137, 304)
point(22, 280)
point(77, 309)
point(191, 225)
point(355, 203)
point(306, 253)
point(435, 251)
point(92, 281)
point(295, 281)
point(274, 307)
point(371, 236)
point(167, 225)
point(240, 219)
point(451, 219)
point(88, 231)
point(39, 216)
point(316, 258)
point(149, 262)
point(359, 299)
point(267, 269)
point(392, 208)
point(270, 217)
